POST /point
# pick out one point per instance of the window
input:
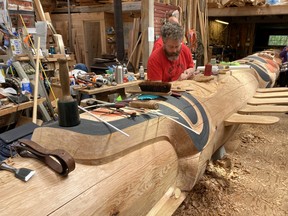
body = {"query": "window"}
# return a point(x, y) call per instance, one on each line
point(278, 40)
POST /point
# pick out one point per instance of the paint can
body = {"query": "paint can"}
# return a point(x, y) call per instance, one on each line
point(208, 70)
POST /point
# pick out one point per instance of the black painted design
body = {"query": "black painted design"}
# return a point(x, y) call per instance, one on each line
point(262, 73)
point(199, 140)
point(99, 128)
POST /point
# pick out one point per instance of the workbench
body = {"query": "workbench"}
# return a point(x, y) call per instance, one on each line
point(102, 92)
point(8, 113)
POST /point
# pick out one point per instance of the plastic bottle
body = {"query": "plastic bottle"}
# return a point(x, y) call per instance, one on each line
point(52, 49)
point(141, 73)
point(26, 86)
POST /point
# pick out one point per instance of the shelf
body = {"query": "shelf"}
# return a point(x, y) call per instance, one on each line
point(18, 107)
point(51, 58)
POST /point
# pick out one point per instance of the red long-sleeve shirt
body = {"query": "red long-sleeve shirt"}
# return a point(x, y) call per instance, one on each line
point(160, 68)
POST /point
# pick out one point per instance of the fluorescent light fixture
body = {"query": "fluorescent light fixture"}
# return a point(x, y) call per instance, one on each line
point(223, 22)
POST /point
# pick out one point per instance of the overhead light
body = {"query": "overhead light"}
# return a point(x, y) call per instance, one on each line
point(223, 22)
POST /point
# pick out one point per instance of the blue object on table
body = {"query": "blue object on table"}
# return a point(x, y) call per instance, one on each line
point(147, 97)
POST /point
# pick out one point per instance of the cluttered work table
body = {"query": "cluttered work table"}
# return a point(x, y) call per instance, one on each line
point(106, 88)
point(103, 91)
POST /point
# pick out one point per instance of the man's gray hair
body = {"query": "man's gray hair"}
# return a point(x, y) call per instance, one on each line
point(172, 31)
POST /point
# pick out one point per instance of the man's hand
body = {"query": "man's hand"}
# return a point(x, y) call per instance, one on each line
point(187, 74)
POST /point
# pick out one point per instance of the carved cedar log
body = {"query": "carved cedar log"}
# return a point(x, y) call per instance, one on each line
point(135, 175)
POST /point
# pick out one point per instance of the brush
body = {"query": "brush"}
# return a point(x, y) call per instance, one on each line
point(150, 86)
point(23, 174)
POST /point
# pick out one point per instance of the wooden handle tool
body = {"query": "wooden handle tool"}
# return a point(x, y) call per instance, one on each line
point(144, 104)
point(67, 106)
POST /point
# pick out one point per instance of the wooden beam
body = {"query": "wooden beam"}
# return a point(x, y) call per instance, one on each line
point(126, 7)
point(39, 9)
point(248, 11)
point(147, 13)
point(118, 23)
point(255, 19)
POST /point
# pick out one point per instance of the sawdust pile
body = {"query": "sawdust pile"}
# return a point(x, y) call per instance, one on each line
point(252, 179)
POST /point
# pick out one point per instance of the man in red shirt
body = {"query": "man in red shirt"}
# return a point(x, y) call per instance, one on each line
point(174, 60)
point(159, 42)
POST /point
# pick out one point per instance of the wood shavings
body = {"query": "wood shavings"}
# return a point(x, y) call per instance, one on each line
point(223, 71)
point(202, 78)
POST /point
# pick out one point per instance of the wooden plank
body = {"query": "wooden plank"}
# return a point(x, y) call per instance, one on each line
point(194, 12)
point(203, 27)
point(258, 101)
point(268, 90)
point(168, 203)
point(140, 50)
point(19, 107)
point(77, 47)
point(92, 41)
point(146, 14)
point(135, 35)
point(263, 109)
point(271, 95)
point(59, 42)
point(171, 205)
point(248, 11)
point(126, 7)
point(250, 119)
point(40, 10)
point(36, 79)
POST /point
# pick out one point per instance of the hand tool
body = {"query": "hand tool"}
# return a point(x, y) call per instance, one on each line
point(144, 104)
point(22, 173)
point(67, 106)
point(96, 84)
point(189, 128)
point(100, 119)
point(58, 160)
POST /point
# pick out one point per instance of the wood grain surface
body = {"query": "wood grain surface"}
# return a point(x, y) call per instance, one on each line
point(132, 175)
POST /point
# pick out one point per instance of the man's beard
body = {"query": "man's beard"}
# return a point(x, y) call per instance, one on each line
point(172, 56)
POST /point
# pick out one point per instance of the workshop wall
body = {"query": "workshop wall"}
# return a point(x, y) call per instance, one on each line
point(92, 33)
